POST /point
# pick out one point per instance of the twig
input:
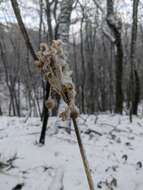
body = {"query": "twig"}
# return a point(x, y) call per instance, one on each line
point(92, 131)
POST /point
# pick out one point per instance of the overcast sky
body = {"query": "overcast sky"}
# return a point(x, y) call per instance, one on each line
point(29, 11)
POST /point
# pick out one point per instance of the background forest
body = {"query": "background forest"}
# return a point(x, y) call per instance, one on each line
point(102, 83)
point(89, 141)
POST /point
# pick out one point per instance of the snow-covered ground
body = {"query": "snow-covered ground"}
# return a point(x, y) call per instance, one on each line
point(115, 154)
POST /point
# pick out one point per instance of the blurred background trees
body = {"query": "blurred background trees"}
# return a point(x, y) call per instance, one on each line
point(101, 54)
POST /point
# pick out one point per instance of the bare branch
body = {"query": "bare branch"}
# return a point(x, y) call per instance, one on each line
point(98, 6)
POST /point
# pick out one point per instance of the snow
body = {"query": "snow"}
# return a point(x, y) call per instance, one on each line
point(58, 165)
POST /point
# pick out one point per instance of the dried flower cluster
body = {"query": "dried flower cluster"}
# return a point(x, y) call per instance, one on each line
point(52, 65)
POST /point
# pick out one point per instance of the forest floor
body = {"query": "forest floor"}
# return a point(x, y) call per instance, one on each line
point(113, 145)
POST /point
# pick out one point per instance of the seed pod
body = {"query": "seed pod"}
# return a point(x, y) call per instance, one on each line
point(74, 112)
point(47, 76)
point(56, 44)
point(64, 115)
point(50, 103)
point(67, 87)
point(43, 47)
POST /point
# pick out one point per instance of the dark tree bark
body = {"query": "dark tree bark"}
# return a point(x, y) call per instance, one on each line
point(137, 93)
point(115, 26)
point(49, 23)
point(134, 79)
point(41, 19)
point(46, 116)
point(0, 111)
point(83, 68)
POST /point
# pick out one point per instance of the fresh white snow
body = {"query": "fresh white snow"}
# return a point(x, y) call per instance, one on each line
point(58, 165)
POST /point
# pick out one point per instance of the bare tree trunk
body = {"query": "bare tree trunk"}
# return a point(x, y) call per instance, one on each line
point(90, 41)
point(137, 93)
point(46, 116)
point(134, 79)
point(0, 110)
point(63, 27)
point(115, 26)
point(49, 22)
point(63, 33)
point(76, 75)
point(41, 19)
point(83, 69)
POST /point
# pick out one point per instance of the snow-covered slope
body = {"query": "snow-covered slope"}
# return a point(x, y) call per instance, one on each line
point(114, 148)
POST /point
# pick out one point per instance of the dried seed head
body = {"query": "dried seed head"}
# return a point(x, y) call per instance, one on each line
point(50, 103)
point(43, 47)
point(54, 69)
point(47, 75)
point(39, 54)
point(56, 44)
point(67, 87)
point(56, 48)
point(74, 112)
point(39, 64)
point(63, 116)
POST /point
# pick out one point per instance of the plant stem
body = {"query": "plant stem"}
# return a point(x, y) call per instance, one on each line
point(83, 155)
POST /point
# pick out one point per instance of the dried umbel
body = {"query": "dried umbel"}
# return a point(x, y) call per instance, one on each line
point(51, 63)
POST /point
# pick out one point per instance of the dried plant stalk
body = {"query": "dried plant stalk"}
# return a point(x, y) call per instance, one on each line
point(52, 65)
point(83, 156)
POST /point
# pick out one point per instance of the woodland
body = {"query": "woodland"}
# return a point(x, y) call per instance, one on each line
point(71, 75)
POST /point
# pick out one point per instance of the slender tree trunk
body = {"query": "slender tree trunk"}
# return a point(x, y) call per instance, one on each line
point(0, 111)
point(137, 93)
point(115, 26)
point(41, 19)
point(19, 97)
point(49, 22)
point(90, 41)
point(134, 79)
point(46, 115)
point(83, 69)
